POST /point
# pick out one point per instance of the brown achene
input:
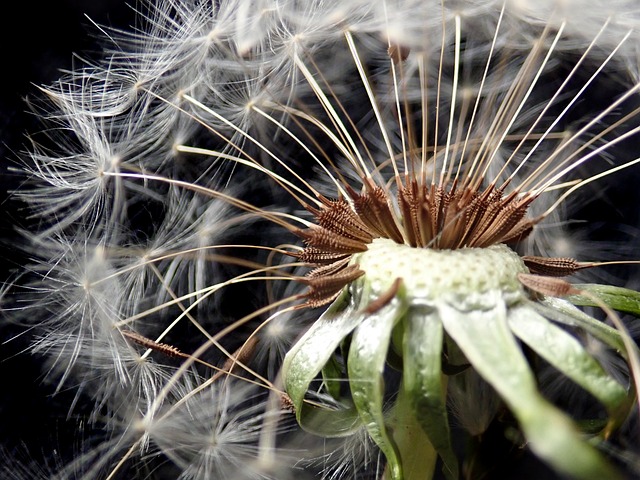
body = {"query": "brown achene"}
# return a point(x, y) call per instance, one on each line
point(421, 215)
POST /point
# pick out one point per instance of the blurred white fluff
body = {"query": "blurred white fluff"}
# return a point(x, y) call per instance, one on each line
point(215, 433)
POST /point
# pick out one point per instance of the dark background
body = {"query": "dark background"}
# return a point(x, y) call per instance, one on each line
point(38, 39)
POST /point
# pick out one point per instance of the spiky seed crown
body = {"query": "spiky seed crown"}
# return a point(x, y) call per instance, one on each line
point(435, 216)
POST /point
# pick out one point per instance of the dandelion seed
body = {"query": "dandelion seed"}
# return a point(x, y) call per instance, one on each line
point(346, 209)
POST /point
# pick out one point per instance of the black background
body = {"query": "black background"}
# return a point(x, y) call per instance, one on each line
point(38, 39)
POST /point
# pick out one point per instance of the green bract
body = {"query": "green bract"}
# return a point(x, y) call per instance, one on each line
point(464, 303)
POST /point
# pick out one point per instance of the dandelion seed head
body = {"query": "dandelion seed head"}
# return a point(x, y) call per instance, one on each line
point(412, 151)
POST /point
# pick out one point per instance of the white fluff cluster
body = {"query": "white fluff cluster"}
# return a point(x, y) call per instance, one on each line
point(134, 235)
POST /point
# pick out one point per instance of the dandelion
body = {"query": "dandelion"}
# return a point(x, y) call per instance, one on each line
point(348, 211)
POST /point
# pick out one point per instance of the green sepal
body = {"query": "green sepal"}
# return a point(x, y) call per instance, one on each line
point(394, 354)
point(332, 375)
point(365, 365)
point(307, 358)
point(486, 340)
point(618, 298)
point(417, 454)
point(562, 311)
point(423, 381)
point(569, 356)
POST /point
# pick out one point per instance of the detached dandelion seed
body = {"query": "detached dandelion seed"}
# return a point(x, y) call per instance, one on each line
point(336, 206)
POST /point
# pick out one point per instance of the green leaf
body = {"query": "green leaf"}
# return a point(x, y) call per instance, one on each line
point(569, 356)
point(367, 357)
point(486, 340)
point(423, 380)
point(307, 358)
point(618, 298)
